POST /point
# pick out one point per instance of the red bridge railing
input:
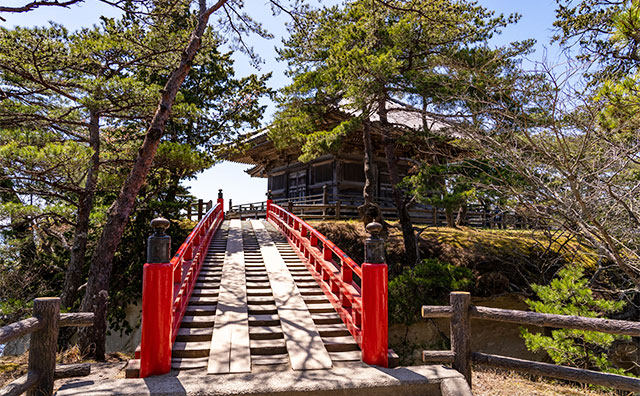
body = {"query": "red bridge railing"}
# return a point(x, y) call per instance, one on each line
point(362, 309)
point(167, 286)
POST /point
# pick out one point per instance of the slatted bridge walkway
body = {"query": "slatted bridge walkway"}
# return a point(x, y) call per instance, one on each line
point(269, 313)
point(261, 307)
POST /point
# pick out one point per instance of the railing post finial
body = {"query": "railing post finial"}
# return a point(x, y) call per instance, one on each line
point(159, 243)
point(220, 193)
point(374, 244)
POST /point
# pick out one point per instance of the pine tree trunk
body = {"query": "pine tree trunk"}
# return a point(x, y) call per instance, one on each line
point(461, 218)
point(73, 276)
point(369, 211)
point(448, 213)
point(408, 234)
point(96, 295)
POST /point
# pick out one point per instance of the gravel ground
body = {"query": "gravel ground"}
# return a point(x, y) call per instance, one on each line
point(491, 382)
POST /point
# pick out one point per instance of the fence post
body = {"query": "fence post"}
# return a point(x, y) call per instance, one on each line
point(461, 333)
point(44, 344)
point(209, 205)
point(189, 210)
point(338, 203)
point(290, 207)
point(325, 201)
point(375, 329)
point(199, 209)
point(157, 301)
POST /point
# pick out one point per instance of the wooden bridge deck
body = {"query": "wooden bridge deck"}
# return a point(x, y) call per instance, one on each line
point(257, 308)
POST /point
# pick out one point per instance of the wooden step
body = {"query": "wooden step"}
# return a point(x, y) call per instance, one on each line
point(259, 292)
point(207, 285)
point(270, 361)
point(203, 301)
point(326, 318)
point(315, 299)
point(133, 369)
point(268, 347)
point(265, 332)
point(257, 285)
point(312, 292)
point(260, 300)
point(262, 309)
point(340, 344)
point(191, 349)
point(189, 363)
point(264, 320)
point(332, 330)
point(188, 334)
point(195, 310)
point(349, 356)
point(204, 293)
point(321, 308)
point(198, 321)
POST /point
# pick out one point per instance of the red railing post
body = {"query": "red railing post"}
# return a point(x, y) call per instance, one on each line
point(375, 329)
point(157, 303)
point(269, 203)
point(221, 200)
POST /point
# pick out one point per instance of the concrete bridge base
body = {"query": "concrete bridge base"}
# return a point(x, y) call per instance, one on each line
point(356, 380)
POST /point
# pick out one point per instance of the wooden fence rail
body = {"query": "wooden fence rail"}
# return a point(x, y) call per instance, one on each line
point(43, 327)
point(196, 210)
point(318, 207)
point(460, 311)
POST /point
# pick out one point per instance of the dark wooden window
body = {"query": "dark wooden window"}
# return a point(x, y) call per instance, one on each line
point(322, 173)
point(353, 172)
point(277, 182)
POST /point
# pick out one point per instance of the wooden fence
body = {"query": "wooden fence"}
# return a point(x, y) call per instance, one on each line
point(461, 356)
point(43, 327)
point(196, 210)
point(313, 208)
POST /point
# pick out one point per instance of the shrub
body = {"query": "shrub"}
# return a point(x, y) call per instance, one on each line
point(428, 283)
point(569, 294)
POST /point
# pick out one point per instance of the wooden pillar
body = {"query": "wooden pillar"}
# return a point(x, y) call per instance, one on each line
point(44, 345)
point(461, 333)
point(189, 210)
point(199, 209)
point(290, 207)
point(325, 201)
point(338, 210)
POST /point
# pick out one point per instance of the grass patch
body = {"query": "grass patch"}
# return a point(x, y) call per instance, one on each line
point(501, 260)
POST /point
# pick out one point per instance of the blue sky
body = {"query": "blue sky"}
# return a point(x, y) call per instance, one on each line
point(536, 22)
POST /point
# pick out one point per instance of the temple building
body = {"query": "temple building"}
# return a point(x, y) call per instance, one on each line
point(342, 172)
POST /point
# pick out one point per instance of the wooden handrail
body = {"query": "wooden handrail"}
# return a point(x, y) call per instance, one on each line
point(611, 326)
point(348, 300)
point(19, 329)
point(363, 310)
point(27, 326)
point(188, 260)
point(42, 370)
point(461, 335)
point(325, 242)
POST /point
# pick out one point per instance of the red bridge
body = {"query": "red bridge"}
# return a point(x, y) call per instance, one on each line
point(253, 298)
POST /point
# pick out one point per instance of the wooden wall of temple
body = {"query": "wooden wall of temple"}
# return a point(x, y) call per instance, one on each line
point(343, 174)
